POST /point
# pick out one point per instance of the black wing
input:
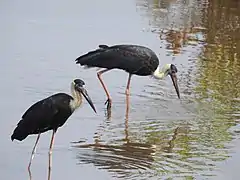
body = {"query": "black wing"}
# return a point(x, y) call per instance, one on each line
point(38, 118)
point(127, 57)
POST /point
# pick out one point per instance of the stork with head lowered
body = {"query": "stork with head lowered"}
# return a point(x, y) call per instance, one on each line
point(134, 59)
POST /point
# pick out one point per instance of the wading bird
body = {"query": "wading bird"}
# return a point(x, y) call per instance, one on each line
point(50, 114)
point(134, 59)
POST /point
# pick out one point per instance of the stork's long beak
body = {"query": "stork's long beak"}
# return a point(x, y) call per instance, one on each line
point(175, 84)
point(87, 97)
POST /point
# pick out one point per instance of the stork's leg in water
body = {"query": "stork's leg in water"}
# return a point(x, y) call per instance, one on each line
point(109, 100)
point(127, 92)
point(32, 156)
point(50, 155)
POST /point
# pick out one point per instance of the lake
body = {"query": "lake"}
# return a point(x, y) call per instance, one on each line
point(160, 136)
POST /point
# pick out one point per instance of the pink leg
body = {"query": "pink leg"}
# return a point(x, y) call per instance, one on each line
point(50, 155)
point(32, 156)
point(127, 92)
point(109, 100)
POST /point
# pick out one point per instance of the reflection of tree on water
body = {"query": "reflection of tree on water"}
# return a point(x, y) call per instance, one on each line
point(175, 39)
point(177, 22)
point(216, 23)
point(214, 84)
point(221, 61)
point(219, 74)
point(193, 148)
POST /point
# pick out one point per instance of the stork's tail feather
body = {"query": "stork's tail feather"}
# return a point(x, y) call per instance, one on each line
point(18, 136)
point(86, 59)
point(19, 133)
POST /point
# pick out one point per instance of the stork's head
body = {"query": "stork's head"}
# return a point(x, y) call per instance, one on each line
point(78, 86)
point(171, 70)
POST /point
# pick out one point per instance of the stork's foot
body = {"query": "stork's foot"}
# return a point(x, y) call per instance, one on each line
point(109, 103)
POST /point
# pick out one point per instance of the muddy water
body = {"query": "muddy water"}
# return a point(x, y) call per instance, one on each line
point(160, 137)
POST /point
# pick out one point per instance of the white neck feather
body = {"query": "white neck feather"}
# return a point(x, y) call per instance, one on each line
point(77, 98)
point(159, 74)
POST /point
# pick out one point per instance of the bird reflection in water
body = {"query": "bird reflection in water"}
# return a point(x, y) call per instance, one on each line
point(121, 158)
point(118, 158)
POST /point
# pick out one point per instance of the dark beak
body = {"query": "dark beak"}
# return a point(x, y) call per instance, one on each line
point(85, 94)
point(175, 84)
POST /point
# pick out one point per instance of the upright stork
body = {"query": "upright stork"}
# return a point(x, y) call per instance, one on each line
point(134, 59)
point(50, 114)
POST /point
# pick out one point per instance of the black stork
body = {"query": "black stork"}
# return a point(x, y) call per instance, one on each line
point(134, 59)
point(50, 114)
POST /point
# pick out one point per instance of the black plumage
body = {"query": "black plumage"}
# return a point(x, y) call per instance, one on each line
point(50, 114)
point(134, 59)
point(47, 114)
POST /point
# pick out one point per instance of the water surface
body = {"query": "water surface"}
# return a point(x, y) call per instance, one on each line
point(160, 137)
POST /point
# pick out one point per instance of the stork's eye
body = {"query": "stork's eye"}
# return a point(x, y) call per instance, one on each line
point(167, 71)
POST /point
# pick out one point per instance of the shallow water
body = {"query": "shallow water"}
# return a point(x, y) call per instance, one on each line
point(160, 137)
